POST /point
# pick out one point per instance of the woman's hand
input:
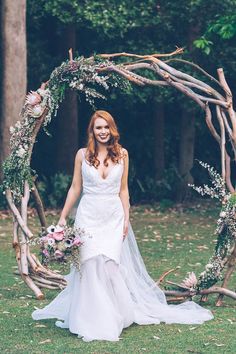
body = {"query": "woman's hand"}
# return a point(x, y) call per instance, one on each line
point(125, 228)
point(62, 222)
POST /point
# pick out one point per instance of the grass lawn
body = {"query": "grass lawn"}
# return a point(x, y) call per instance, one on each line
point(167, 238)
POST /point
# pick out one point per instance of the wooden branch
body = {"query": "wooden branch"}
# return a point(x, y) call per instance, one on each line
point(196, 67)
point(188, 92)
point(70, 54)
point(162, 277)
point(212, 100)
point(15, 244)
point(46, 286)
point(180, 74)
point(222, 141)
point(228, 173)
point(230, 102)
point(22, 238)
point(131, 76)
point(230, 268)
point(130, 55)
point(190, 81)
point(38, 124)
point(46, 271)
point(208, 118)
point(46, 281)
point(39, 206)
point(227, 126)
point(17, 215)
point(212, 290)
point(33, 286)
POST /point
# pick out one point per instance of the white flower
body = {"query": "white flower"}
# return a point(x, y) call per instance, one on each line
point(51, 241)
point(18, 124)
point(20, 152)
point(12, 130)
point(81, 86)
point(72, 84)
point(223, 214)
point(51, 229)
point(208, 266)
point(68, 243)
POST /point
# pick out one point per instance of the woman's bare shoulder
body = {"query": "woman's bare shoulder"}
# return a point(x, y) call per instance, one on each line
point(80, 154)
point(124, 152)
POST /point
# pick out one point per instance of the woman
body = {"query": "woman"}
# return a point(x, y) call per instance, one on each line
point(112, 289)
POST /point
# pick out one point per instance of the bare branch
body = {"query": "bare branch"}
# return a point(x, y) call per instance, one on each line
point(196, 67)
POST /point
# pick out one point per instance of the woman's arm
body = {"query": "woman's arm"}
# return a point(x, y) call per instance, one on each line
point(124, 192)
point(75, 189)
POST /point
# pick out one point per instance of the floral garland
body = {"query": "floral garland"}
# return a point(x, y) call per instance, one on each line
point(226, 231)
point(79, 74)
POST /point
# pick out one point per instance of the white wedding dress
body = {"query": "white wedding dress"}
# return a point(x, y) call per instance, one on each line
point(112, 290)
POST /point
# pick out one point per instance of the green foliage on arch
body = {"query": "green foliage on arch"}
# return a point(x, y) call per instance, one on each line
point(84, 75)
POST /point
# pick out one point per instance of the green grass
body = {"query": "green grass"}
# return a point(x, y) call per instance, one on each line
point(166, 239)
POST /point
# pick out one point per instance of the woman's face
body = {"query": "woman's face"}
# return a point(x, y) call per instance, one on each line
point(101, 131)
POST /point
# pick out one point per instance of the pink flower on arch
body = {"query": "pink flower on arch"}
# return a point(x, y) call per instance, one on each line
point(190, 281)
point(33, 98)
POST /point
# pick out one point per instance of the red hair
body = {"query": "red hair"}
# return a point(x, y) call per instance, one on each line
point(114, 149)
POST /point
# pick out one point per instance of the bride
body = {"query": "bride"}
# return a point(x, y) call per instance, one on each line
point(112, 290)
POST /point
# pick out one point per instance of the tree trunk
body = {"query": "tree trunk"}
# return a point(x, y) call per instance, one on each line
point(67, 120)
point(14, 69)
point(158, 127)
point(187, 131)
point(186, 153)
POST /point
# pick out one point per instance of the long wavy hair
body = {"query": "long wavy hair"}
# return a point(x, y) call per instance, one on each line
point(114, 149)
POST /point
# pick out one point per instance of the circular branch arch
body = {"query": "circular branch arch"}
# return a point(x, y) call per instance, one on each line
point(84, 75)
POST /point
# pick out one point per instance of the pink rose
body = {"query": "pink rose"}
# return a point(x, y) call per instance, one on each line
point(46, 253)
point(58, 254)
point(58, 236)
point(77, 242)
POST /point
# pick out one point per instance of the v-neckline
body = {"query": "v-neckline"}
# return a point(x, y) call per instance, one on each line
point(99, 175)
point(104, 179)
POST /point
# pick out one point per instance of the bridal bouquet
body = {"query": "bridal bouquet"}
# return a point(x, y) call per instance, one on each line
point(61, 244)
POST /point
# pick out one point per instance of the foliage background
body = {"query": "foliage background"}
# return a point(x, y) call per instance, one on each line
point(207, 32)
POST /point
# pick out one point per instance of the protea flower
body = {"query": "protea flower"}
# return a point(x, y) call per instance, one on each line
point(190, 281)
point(33, 98)
point(36, 111)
